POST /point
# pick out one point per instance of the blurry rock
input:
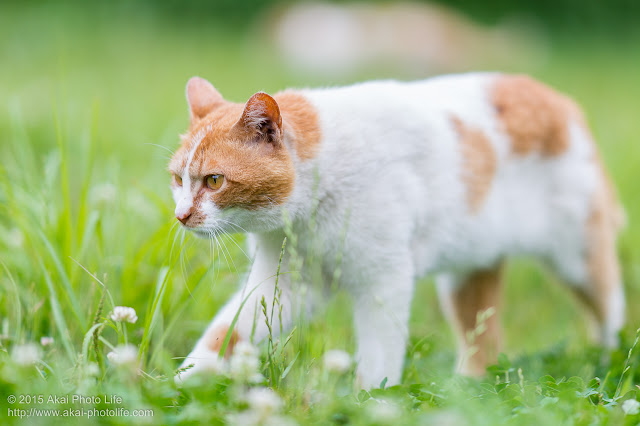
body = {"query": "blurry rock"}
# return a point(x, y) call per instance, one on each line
point(415, 38)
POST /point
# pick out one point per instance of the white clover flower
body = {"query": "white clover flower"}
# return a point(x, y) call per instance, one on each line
point(246, 349)
point(631, 407)
point(201, 360)
point(125, 355)
point(124, 313)
point(27, 354)
point(383, 412)
point(263, 401)
point(244, 368)
point(264, 410)
point(46, 341)
point(445, 418)
point(244, 363)
point(337, 361)
point(92, 369)
point(279, 421)
point(251, 418)
point(245, 418)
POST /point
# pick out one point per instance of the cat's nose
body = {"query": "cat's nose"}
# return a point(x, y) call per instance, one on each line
point(184, 216)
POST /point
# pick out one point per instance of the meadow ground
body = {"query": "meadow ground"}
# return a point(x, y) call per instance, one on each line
point(86, 223)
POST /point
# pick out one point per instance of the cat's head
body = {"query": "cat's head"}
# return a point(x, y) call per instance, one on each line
point(233, 170)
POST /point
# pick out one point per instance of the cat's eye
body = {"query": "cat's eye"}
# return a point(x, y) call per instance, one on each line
point(178, 180)
point(214, 181)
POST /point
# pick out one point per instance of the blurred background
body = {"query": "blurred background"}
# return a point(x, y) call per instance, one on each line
point(88, 90)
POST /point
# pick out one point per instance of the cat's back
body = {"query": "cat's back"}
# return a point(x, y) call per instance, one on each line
point(483, 156)
point(393, 99)
point(500, 118)
point(397, 122)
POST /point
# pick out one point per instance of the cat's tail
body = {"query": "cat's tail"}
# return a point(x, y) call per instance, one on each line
point(619, 217)
point(617, 214)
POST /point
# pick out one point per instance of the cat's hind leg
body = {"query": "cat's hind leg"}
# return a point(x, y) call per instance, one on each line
point(471, 304)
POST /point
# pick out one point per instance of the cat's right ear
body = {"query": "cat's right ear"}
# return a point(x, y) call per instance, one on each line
point(261, 117)
point(202, 98)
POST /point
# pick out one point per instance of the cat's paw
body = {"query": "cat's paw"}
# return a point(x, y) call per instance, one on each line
point(200, 361)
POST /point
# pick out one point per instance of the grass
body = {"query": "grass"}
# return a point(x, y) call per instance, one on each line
point(86, 223)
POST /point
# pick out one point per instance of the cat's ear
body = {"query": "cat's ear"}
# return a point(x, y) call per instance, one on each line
point(202, 97)
point(261, 116)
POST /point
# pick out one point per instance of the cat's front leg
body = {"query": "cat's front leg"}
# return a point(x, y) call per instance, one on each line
point(250, 325)
point(381, 317)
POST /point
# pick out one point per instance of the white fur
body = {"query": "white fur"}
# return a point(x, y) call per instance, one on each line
point(184, 195)
point(390, 163)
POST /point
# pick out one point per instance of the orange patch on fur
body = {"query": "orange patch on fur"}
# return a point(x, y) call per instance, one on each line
point(533, 115)
point(479, 164)
point(479, 292)
point(301, 119)
point(215, 339)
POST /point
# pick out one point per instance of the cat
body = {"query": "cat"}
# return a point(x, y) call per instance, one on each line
point(448, 176)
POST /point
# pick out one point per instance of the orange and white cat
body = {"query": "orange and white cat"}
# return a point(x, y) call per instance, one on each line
point(448, 176)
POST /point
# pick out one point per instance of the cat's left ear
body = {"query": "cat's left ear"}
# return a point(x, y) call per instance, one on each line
point(202, 97)
point(261, 115)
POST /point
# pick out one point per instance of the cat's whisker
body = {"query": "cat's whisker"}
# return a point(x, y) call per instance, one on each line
point(161, 146)
point(213, 263)
point(186, 284)
point(228, 251)
point(215, 256)
point(218, 259)
point(271, 201)
point(183, 267)
point(182, 233)
point(237, 245)
point(233, 239)
point(174, 230)
point(220, 250)
point(224, 248)
point(233, 224)
point(175, 237)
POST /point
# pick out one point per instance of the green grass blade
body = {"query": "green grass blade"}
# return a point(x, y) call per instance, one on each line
point(68, 290)
point(87, 340)
point(153, 312)
point(227, 338)
point(290, 366)
point(61, 324)
point(18, 304)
